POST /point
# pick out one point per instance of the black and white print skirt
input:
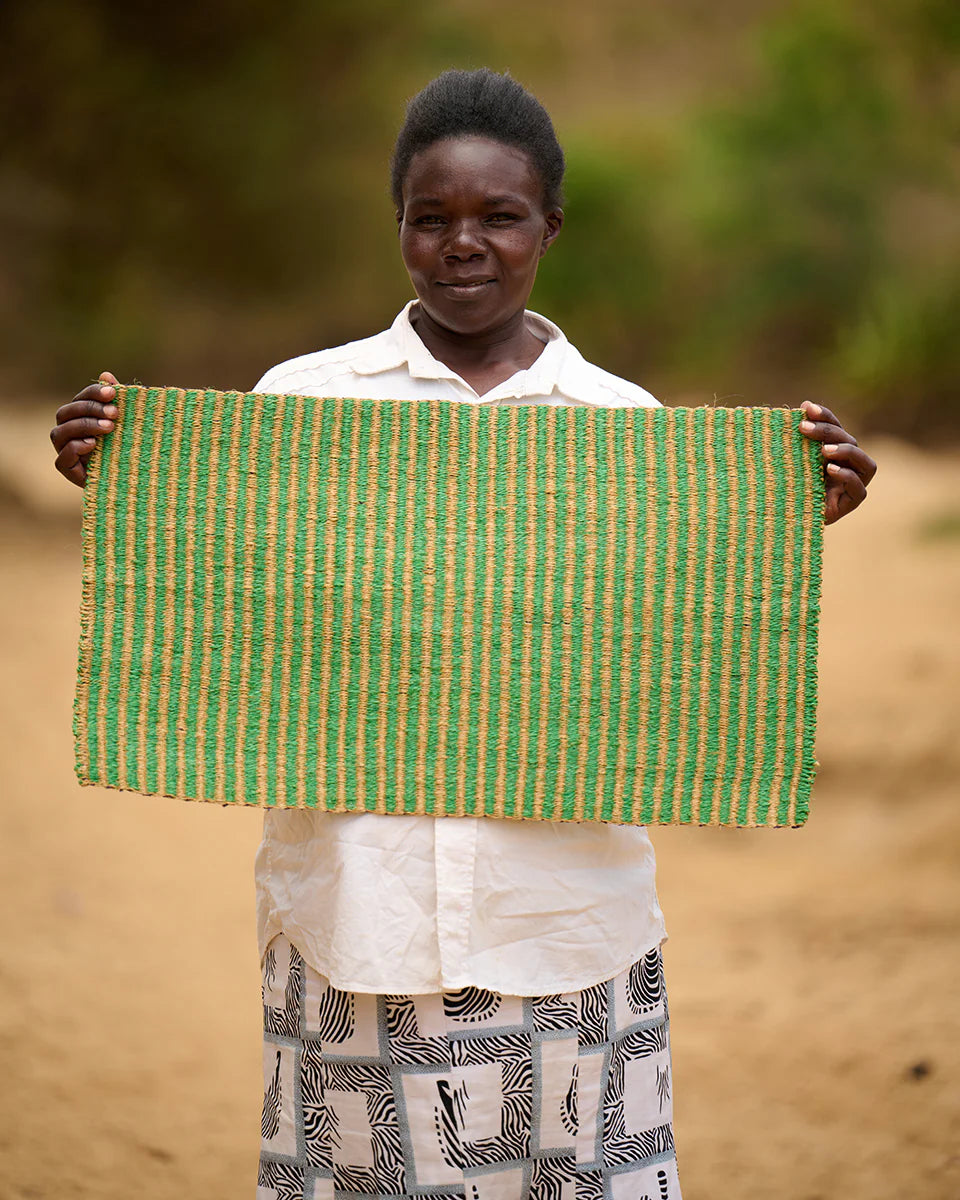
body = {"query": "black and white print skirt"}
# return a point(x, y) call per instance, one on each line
point(466, 1094)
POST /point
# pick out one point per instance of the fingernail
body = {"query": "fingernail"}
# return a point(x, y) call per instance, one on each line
point(814, 409)
point(107, 393)
point(105, 424)
point(89, 441)
point(830, 449)
point(807, 426)
point(834, 467)
point(110, 410)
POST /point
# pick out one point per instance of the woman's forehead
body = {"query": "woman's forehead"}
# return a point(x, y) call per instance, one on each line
point(474, 164)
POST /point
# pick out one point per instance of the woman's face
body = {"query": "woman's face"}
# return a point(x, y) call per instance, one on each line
point(472, 232)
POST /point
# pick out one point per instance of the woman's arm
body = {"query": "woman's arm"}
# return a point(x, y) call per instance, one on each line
point(847, 468)
point(79, 423)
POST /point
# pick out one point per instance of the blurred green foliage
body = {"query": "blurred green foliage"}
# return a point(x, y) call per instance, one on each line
point(761, 202)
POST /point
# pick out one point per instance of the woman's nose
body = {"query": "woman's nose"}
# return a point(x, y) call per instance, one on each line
point(463, 241)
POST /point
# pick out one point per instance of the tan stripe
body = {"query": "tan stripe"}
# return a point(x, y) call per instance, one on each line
point(172, 482)
point(751, 476)
point(195, 443)
point(93, 565)
point(799, 507)
point(652, 534)
point(762, 682)
point(290, 569)
point(89, 614)
point(110, 603)
point(706, 516)
point(546, 646)
point(791, 512)
point(127, 684)
point(634, 430)
point(319, 511)
point(486, 619)
point(506, 629)
point(731, 618)
point(391, 504)
point(685, 702)
point(229, 616)
point(406, 612)
point(529, 584)
point(364, 631)
point(268, 739)
point(431, 487)
point(669, 703)
point(589, 552)
point(465, 715)
point(348, 629)
point(207, 615)
point(607, 610)
point(450, 607)
point(252, 456)
point(570, 521)
point(331, 518)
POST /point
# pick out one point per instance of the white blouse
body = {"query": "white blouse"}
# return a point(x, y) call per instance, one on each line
point(414, 904)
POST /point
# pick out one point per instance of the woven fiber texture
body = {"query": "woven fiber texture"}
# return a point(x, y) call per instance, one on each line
point(431, 607)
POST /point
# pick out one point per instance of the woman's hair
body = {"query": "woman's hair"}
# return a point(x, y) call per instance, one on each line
point(479, 104)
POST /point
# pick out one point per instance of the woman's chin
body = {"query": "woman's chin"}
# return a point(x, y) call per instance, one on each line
point(468, 316)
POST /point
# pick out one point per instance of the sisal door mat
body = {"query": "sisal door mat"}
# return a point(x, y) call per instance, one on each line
point(431, 607)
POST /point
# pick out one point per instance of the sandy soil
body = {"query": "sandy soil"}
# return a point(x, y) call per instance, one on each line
point(814, 975)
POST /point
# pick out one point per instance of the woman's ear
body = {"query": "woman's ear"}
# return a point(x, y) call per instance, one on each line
point(554, 223)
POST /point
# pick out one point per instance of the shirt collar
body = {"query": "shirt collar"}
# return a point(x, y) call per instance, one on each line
point(401, 346)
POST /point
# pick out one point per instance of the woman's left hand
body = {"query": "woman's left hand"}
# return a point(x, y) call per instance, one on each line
point(847, 468)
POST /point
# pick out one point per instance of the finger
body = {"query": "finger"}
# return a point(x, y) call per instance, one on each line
point(822, 431)
point(106, 377)
point(79, 428)
point(845, 492)
point(817, 412)
point(848, 454)
point(71, 461)
point(92, 401)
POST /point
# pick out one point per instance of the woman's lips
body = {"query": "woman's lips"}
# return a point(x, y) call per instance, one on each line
point(465, 290)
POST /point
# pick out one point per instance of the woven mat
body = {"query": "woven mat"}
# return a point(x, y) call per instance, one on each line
point(431, 607)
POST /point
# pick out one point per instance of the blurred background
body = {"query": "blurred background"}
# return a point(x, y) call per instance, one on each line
point(763, 206)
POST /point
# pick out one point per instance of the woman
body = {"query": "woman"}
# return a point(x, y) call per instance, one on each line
point(466, 1007)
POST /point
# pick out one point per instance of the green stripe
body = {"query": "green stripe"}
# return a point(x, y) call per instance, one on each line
point(722, 568)
point(774, 510)
point(156, 520)
point(534, 551)
point(376, 518)
point(140, 614)
point(743, 464)
point(96, 562)
point(615, 528)
point(814, 516)
point(272, 733)
point(680, 674)
point(193, 770)
point(754, 450)
point(253, 609)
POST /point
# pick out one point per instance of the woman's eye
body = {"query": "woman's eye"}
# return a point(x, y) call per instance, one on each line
point(428, 219)
point(500, 218)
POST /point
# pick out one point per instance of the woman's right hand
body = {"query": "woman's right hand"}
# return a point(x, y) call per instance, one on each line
point(89, 415)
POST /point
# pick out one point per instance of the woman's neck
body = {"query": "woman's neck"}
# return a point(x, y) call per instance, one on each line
point(484, 360)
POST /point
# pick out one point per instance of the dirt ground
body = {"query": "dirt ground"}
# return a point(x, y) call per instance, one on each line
point(814, 975)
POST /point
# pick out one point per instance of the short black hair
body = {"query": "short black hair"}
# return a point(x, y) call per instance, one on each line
point(480, 104)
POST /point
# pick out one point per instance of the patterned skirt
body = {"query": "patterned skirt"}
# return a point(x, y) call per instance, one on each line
point(469, 1094)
